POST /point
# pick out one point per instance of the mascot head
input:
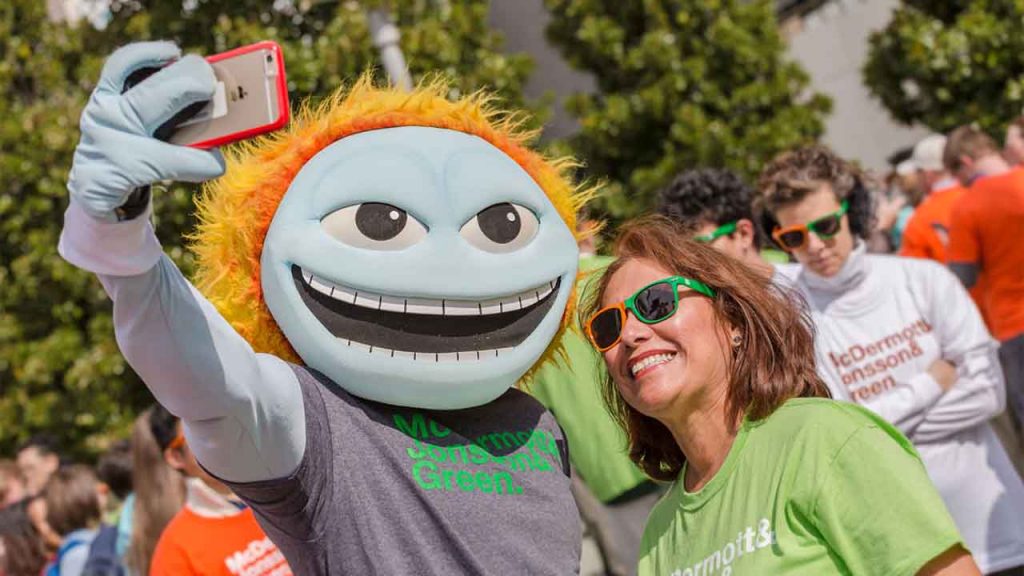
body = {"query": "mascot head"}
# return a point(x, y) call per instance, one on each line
point(411, 248)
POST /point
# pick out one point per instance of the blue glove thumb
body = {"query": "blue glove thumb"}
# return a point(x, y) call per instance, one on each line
point(117, 152)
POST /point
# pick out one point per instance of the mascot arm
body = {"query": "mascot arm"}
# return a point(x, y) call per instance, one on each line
point(242, 411)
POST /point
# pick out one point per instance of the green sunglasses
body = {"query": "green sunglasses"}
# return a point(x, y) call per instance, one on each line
point(795, 237)
point(723, 230)
point(651, 304)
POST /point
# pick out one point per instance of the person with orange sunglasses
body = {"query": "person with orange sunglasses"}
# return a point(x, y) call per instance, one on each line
point(712, 378)
point(902, 337)
point(214, 533)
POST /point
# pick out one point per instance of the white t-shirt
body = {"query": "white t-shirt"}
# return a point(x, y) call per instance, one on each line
point(880, 322)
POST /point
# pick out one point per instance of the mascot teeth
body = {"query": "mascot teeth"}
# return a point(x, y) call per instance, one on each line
point(428, 306)
point(428, 330)
point(465, 356)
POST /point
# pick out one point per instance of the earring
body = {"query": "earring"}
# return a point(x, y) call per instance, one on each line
point(736, 340)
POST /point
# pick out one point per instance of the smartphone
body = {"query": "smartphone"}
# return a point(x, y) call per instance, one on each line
point(251, 98)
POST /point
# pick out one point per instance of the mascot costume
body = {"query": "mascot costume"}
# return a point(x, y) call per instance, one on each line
point(371, 285)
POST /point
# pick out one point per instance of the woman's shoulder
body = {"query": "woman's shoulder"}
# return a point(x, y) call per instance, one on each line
point(812, 433)
point(808, 410)
point(821, 420)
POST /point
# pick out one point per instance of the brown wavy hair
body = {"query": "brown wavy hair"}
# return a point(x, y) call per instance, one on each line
point(24, 553)
point(72, 499)
point(793, 175)
point(159, 494)
point(773, 363)
point(969, 141)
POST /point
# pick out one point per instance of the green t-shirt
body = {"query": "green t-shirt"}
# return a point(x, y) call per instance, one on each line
point(819, 487)
point(774, 256)
point(572, 392)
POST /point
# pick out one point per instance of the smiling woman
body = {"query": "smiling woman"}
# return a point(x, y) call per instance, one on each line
point(712, 377)
point(743, 306)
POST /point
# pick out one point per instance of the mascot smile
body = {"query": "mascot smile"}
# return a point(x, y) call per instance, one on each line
point(419, 256)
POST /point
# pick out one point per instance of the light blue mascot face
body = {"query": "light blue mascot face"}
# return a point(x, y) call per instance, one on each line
point(418, 267)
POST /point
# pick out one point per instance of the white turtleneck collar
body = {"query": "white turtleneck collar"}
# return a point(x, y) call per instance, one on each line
point(850, 275)
point(850, 292)
point(209, 503)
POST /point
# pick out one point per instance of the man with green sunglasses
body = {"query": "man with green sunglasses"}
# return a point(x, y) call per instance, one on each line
point(716, 205)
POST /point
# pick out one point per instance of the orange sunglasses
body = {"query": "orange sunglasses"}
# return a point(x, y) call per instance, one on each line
point(795, 237)
point(178, 441)
point(651, 304)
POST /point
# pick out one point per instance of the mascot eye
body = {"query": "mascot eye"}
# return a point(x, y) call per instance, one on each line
point(501, 228)
point(374, 225)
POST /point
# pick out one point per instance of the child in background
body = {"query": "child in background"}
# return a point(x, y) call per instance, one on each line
point(12, 484)
point(114, 470)
point(22, 552)
point(74, 501)
point(36, 509)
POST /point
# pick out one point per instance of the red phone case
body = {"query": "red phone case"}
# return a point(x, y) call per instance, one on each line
point(282, 101)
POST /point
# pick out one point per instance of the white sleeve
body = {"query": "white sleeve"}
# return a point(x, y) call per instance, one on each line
point(979, 393)
point(906, 405)
point(242, 412)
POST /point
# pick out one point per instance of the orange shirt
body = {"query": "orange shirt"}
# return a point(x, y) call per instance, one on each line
point(987, 230)
point(231, 546)
point(927, 232)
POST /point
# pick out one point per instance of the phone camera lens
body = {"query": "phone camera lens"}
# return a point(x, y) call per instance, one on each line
point(270, 58)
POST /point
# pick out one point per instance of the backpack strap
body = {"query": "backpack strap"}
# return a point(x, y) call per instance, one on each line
point(66, 546)
point(103, 559)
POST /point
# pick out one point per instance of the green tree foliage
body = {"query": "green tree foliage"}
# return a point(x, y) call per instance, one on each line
point(60, 369)
point(945, 64)
point(681, 84)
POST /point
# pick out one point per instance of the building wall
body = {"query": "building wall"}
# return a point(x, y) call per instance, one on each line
point(522, 22)
point(831, 44)
point(72, 11)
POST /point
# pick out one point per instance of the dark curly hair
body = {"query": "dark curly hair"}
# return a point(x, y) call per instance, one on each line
point(792, 175)
point(711, 195)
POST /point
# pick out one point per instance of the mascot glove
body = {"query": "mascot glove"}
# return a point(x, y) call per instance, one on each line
point(117, 152)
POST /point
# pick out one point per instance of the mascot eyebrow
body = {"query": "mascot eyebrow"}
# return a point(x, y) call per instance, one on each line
point(235, 211)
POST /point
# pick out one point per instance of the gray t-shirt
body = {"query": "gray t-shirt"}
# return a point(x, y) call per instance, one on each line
point(389, 490)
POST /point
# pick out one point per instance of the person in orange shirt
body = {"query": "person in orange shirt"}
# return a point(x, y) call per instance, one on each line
point(985, 240)
point(214, 534)
point(927, 232)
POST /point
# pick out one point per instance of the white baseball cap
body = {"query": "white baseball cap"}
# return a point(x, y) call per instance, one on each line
point(906, 168)
point(928, 153)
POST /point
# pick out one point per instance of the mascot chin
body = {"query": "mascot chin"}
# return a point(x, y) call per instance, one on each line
point(371, 284)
